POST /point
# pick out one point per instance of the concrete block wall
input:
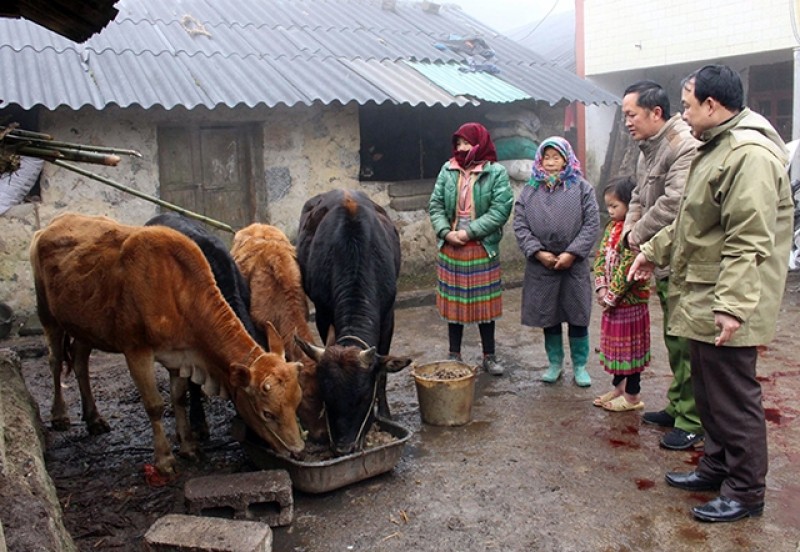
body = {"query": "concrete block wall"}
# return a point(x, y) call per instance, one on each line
point(633, 34)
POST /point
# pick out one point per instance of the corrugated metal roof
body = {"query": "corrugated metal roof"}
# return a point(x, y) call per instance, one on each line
point(208, 53)
point(480, 85)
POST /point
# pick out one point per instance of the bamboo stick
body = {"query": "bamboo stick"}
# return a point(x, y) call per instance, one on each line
point(26, 133)
point(70, 155)
point(137, 193)
point(50, 143)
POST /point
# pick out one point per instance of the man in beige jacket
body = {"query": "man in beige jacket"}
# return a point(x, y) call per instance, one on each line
point(727, 248)
point(667, 149)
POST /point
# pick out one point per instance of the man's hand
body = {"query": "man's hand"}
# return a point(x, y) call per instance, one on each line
point(641, 269)
point(727, 325)
point(564, 261)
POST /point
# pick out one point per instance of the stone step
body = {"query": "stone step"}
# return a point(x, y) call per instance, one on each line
point(182, 533)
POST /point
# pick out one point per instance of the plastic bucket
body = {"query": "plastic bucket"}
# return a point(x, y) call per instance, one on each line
point(444, 402)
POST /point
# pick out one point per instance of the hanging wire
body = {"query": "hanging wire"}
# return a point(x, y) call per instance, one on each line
point(542, 20)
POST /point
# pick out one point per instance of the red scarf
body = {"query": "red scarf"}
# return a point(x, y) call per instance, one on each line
point(482, 146)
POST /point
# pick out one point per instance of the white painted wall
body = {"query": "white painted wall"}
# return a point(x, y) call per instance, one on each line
point(632, 34)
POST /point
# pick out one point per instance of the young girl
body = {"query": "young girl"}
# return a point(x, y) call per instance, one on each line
point(625, 329)
point(556, 223)
point(470, 203)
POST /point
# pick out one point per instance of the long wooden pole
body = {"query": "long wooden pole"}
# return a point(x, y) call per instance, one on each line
point(137, 193)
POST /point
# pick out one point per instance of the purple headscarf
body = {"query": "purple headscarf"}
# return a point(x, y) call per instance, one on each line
point(571, 173)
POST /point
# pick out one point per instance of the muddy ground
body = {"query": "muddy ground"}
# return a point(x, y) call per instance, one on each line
point(538, 467)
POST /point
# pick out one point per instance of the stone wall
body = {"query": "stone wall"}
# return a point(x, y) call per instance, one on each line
point(30, 513)
point(307, 150)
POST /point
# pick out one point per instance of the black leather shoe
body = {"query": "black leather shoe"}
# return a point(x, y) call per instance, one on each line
point(691, 481)
point(723, 508)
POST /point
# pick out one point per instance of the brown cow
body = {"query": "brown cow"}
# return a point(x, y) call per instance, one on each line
point(268, 261)
point(148, 293)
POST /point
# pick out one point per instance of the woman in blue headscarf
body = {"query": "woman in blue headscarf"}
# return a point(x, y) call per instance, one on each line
point(556, 223)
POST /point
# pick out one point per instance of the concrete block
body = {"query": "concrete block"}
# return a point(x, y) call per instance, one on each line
point(260, 495)
point(181, 533)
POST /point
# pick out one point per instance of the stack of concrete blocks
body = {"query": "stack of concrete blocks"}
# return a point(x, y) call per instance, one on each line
point(227, 513)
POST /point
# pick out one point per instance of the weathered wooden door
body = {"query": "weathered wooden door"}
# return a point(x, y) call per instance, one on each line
point(209, 170)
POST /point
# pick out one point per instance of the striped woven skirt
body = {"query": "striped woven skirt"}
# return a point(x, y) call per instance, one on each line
point(469, 289)
point(625, 340)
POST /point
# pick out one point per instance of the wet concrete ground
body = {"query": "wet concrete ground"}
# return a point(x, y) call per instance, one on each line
point(537, 469)
point(540, 468)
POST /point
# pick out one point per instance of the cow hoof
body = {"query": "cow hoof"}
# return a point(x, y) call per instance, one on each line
point(60, 424)
point(98, 427)
point(167, 466)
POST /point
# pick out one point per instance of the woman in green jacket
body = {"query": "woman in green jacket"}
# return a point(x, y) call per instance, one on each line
point(470, 203)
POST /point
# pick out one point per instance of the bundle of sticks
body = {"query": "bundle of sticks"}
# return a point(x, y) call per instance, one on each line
point(15, 142)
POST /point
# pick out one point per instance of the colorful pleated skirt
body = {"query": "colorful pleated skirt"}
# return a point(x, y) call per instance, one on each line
point(625, 340)
point(469, 288)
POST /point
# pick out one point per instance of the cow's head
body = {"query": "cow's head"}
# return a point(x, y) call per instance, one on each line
point(311, 411)
point(266, 394)
point(348, 379)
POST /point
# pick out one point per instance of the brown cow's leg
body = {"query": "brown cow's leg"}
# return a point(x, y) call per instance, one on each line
point(178, 389)
point(94, 422)
point(142, 371)
point(59, 417)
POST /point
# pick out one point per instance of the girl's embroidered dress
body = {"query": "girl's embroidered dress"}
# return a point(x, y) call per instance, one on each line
point(625, 329)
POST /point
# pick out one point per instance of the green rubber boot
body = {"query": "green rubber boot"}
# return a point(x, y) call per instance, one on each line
point(579, 351)
point(554, 346)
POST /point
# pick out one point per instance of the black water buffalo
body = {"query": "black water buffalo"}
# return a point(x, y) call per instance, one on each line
point(230, 282)
point(349, 255)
